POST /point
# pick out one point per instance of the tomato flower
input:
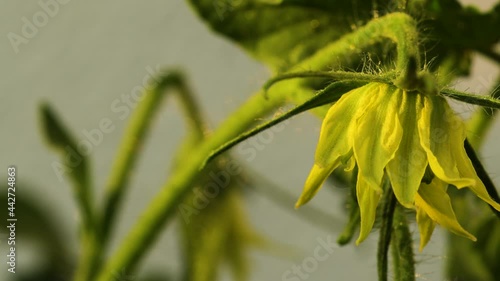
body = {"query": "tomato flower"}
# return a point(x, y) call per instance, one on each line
point(404, 137)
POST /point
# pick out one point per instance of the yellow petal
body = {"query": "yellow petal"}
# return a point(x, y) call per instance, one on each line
point(334, 145)
point(316, 178)
point(466, 169)
point(440, 131)
point(408, 166)
point(425, 227)
point(378, 134)
point(368, 199)
point(435, 202)
point(334, 139)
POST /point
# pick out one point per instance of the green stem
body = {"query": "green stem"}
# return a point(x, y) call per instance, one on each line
point(389, 204)
point(489, 103)
point(398, 27)
point(164, 204)
point(332, 75)
point(128, 152)
point(402, 248)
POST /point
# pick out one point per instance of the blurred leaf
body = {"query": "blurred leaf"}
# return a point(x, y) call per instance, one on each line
point(74, 162)
point(284, 32)
point(36, 224)
point(57, 135)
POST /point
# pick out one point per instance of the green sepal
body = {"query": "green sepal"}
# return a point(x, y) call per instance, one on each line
point(484, 101)
point(330, 94)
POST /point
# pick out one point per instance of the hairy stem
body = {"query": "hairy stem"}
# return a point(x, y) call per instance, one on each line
point(389, 204)
point(402, 248)
point(397, 27)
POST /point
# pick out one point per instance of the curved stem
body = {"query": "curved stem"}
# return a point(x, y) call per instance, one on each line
point(333, 75)
point(398, 27)
point(165, 203)
point(128, 151)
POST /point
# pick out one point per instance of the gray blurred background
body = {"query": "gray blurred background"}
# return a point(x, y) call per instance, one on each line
point(92, 52)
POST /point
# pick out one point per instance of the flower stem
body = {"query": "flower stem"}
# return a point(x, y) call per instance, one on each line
point(389, 204)
point(402, 248)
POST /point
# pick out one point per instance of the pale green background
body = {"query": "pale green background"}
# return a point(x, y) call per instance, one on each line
point(92, 52)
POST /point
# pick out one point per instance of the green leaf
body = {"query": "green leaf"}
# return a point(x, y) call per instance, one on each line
point(282, 33)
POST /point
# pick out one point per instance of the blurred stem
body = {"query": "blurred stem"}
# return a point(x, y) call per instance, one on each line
point(402, 248)
point(164, 204)
point(191, 108)
point(128, 152)
point(129, 149)
point(389, 204)
point(60, 137)
point(482, 120)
